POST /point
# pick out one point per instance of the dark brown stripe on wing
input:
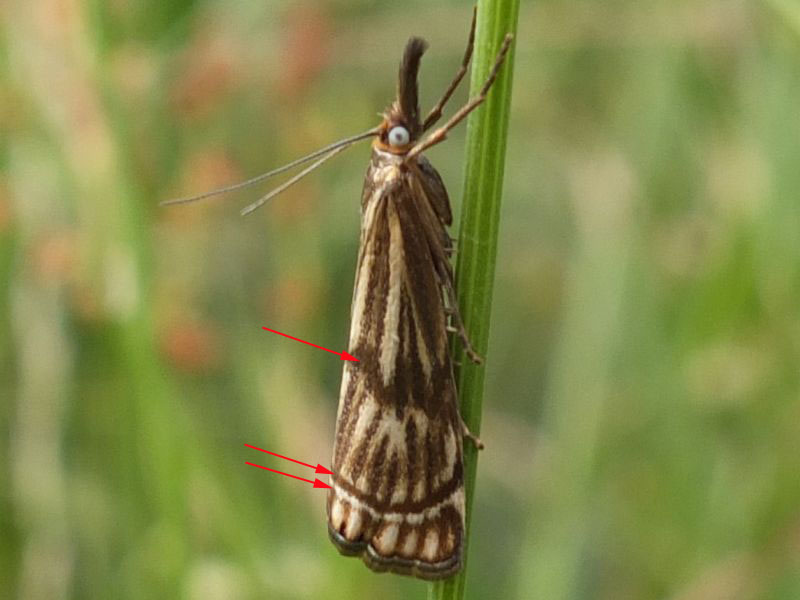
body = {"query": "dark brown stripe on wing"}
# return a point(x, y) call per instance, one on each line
point(411, 453)
point(346, 426)
point(376, 484)
point(355, 460)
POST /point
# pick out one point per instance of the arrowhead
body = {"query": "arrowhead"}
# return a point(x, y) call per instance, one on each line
point(320, 484)
point(323, 470)
point(346, 356)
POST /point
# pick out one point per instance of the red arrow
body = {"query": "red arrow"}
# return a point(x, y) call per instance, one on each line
point(318, 469)
point(317, 483)
point(343, 355)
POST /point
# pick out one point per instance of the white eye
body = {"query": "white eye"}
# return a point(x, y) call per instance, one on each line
point(398, 136)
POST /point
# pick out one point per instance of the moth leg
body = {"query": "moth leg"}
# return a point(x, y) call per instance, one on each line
point(465, 343)
point(471, 436)
point(457, 325)
point(441, 134)
point(436, 112)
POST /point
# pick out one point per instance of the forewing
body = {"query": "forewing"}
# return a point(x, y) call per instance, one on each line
point(397, 498)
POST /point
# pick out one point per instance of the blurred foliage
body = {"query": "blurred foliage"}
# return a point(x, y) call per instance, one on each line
point(641, 412)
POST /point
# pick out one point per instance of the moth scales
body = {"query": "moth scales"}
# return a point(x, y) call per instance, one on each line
point(397, 495)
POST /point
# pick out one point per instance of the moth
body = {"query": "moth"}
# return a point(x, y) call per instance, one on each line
point(398, 490)
point(397, 495)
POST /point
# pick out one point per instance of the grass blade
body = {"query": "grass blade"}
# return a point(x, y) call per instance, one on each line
point(487, 129)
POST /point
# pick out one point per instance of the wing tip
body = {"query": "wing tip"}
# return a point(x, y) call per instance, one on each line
point(429, 571)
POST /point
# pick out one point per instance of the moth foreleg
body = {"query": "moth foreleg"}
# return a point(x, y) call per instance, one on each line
point(436, 112)
point(440, 134)
point(456, 324)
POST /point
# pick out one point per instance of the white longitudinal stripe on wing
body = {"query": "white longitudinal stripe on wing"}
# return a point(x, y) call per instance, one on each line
point(366, 414)
point(390, 342)
point(343, 390)
point(431, 544)
point(354, 523)
point(423, 351)
point(410, 545)
point(391, 429)
point(337, 513)
point(421, 472)
point(364, 269)
point(386, 540)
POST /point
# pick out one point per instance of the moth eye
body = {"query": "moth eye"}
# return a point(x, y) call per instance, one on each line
point(398, 136)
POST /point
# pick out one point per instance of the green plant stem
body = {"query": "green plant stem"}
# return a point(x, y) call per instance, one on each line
point(487, 130)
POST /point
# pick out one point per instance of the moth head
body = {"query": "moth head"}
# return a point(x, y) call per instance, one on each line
point(401, 124)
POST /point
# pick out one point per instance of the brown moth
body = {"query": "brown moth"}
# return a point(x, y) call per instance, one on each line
point(397, 495)
point(398, 490)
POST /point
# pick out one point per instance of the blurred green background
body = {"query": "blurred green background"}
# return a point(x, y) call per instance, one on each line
point(642, 410)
